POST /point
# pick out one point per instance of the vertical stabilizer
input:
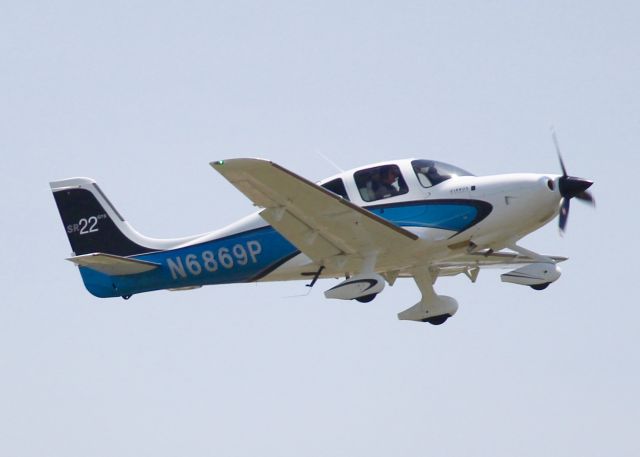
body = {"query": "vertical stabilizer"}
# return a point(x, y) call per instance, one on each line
point(91, 222)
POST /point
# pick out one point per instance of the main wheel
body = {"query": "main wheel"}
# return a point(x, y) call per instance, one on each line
point(438, 320)
point(366, 298)
point(542, 286)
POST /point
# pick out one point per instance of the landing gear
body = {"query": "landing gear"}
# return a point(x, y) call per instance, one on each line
point(432, 308)
point(542, 286)
point(126, 297)
point(366, 298)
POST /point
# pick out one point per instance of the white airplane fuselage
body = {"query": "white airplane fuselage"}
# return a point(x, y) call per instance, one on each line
point(407, 217)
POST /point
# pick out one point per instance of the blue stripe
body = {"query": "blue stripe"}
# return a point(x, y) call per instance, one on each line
point(235, 258)
point(455, 216)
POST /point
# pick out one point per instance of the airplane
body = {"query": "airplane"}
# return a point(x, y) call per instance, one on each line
point(415, 218)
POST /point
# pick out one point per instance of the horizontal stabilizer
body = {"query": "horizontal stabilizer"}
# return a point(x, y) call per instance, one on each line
point(113, 265)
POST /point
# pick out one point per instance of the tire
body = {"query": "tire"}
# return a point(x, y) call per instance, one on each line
point(438, 320)
point(540, 286)
point(366, 298)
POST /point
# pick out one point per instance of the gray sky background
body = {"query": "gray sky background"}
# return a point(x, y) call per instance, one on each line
point(142, 95)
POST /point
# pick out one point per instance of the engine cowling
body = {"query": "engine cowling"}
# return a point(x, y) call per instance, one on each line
point(356, 287)
point(533, 275)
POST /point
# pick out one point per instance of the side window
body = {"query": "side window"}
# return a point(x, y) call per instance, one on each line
point(337, 187)
point(380, 182)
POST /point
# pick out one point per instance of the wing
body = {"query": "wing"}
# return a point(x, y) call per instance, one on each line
point(326, 227)
point(486, 259)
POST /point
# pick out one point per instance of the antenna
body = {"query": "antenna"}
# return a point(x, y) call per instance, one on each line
point(329, 161)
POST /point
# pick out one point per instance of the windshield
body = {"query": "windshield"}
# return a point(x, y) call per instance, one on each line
point(430, 172)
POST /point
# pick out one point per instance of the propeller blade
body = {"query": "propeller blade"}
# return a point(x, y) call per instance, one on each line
point(569, 187)
point(586, 197)
point(564, 214)
point(555, 142)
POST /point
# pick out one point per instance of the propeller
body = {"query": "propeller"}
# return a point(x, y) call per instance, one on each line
point(570, 187)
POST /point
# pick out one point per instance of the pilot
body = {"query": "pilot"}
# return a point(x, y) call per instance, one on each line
point(435, 177)
point(385, 186)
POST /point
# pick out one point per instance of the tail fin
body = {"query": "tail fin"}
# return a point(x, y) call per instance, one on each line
point(92, 223)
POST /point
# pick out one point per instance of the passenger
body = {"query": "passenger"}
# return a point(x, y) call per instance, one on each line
point(386, 185)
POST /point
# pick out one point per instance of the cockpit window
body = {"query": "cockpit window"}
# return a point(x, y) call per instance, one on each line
point(431, 173)
point(380, 182)
point(337, 187)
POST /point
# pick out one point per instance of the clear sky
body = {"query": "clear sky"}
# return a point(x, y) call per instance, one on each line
point(141, 95)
